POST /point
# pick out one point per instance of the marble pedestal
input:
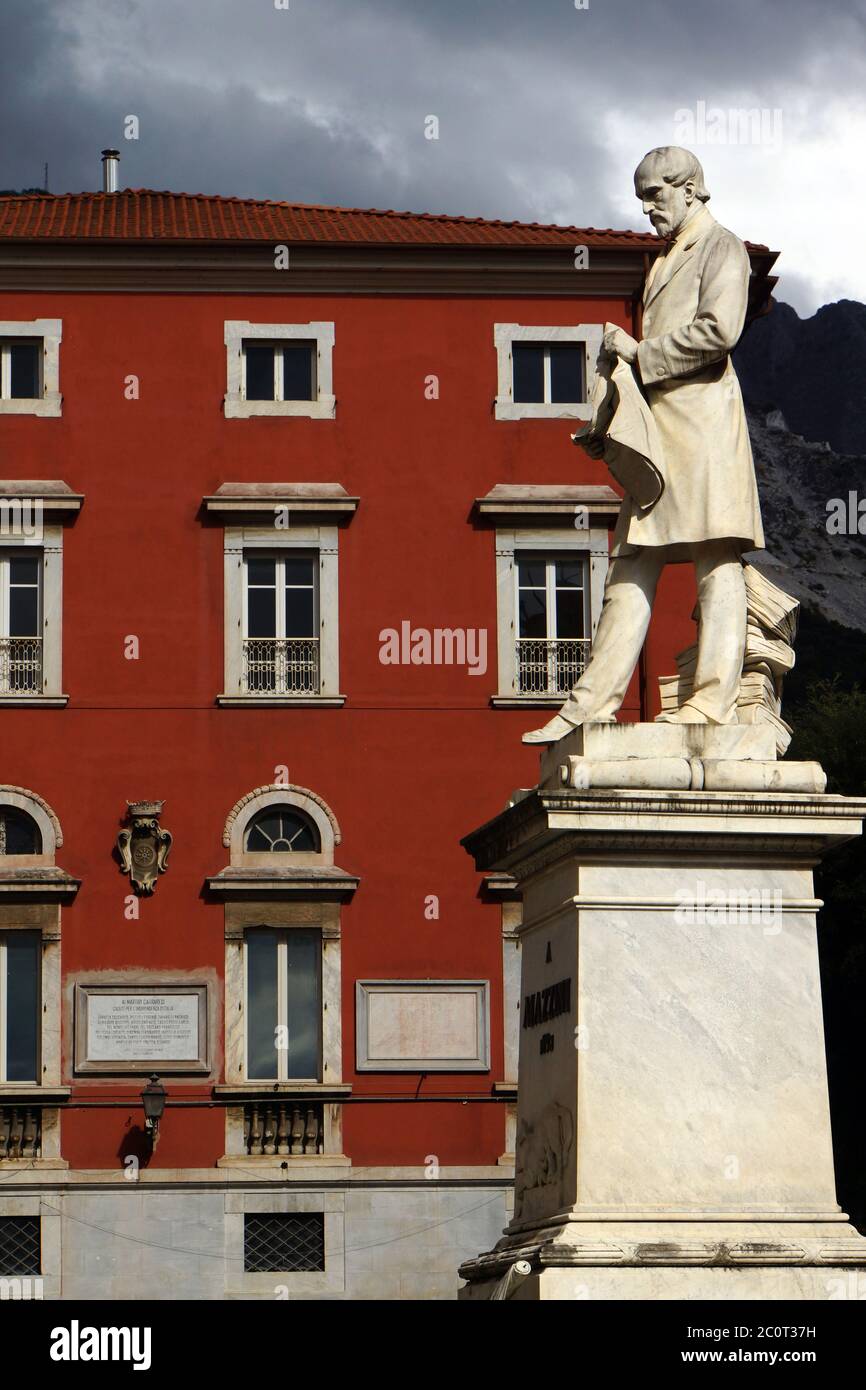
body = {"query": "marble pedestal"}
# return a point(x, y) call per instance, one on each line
point(673, 1124)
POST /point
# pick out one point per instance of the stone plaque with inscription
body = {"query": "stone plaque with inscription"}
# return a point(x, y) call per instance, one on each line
point(141, 1028)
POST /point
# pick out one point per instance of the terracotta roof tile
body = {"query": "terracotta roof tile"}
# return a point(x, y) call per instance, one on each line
point(145, 215)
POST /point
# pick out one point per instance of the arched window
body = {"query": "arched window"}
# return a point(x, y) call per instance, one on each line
point(281, 830)
point(291, 822)
point(19, 833)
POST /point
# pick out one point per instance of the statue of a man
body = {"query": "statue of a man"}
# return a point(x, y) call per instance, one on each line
point(695, 301)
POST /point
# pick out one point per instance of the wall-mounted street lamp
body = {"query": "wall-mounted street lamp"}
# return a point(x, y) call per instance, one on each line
point(153, 1100)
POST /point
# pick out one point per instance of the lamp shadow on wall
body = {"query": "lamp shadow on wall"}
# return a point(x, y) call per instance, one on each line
point(136, 1144)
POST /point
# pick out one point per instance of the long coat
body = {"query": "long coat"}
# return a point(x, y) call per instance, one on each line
point(694, 310)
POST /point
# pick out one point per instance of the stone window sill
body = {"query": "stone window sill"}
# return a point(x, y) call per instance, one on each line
point(30, 1093)
point(33, 701)
point(528, 701)
point(264, 1090)
point(50, 406)
point(282, 701)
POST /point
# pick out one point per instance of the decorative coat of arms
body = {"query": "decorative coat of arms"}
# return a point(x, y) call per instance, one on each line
point(144, 847)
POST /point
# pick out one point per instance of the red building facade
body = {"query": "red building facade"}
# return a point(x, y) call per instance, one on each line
point(284, 551)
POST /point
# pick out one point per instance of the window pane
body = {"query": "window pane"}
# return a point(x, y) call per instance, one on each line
point(303, 1009)
point(19, 834)
point(528, 371)
point(566, 371)
point(23, 612)
point(569, 574)
point(261, 612)
point(569, 613)
point(24, 569)
point(260, 371)
point(299, 569)
point(261, 571)
point(300, 613)
point(298, 361)
point(531, 574)
point(261, 1005)
point(24, 374)
point(281, 832)
point(22, 1005)
point(532, 614)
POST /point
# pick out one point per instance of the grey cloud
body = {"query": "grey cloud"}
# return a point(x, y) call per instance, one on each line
point(326, 102)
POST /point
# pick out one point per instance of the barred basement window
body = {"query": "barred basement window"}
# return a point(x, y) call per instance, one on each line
point(283, 1244)
point(20, 1245)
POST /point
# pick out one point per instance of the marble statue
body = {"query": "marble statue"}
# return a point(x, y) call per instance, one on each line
point(695, 301)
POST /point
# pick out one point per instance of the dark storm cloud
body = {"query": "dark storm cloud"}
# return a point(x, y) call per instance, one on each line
point(543, 108)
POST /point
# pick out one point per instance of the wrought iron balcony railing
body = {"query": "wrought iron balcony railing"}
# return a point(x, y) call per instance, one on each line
point(281, 665)
point(20, 665)
point(550, 666)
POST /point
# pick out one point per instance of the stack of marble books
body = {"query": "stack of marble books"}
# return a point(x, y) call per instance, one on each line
point(771, 627)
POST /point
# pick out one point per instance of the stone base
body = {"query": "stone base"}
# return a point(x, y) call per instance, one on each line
point(673, 1127)
point(676, 1283)
point(576, 1257)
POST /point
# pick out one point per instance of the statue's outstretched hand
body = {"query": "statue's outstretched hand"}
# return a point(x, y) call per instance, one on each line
point(620, 344)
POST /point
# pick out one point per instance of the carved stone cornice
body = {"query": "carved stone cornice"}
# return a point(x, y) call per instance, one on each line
point(544, 826)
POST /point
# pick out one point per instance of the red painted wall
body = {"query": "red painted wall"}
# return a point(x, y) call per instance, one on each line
point(415, 759)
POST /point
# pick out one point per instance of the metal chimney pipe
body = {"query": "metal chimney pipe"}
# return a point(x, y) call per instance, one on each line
point(110, 161)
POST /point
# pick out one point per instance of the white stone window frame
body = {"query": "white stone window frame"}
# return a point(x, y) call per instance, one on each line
point(50, 403)
point(270, 538)
point(275, 798)
point(303, 911)
point(50, 545)
point(240, 1283)
point(330, 977)
point(307, 918)
point(506, 334)
point(590, 542)
point(237, 407)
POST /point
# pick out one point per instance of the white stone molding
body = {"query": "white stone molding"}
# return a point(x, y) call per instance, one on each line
point(505, 334)
point(237, 407)
point(321, 539)
point(50, 402)
point(422, 1025)
point(38, 809)
point(264, 798)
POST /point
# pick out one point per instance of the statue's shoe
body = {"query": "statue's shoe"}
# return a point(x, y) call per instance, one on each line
point(556, 729)
point(686, 714)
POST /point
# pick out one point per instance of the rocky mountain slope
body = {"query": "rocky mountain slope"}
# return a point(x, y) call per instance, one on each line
point(798, 482)
point(813, 370)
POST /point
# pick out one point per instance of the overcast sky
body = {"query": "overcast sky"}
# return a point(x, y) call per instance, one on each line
point(543, 109)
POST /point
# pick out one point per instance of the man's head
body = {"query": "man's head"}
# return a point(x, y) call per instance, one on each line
point(670, 184)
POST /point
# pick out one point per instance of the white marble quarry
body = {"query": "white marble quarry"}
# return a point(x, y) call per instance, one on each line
point(673, 1122)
